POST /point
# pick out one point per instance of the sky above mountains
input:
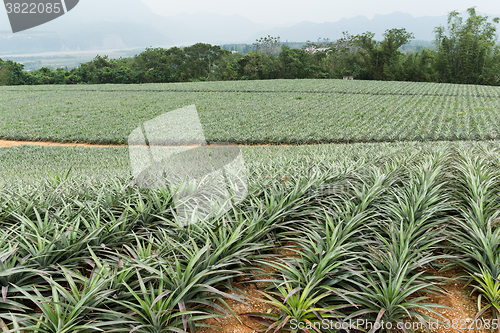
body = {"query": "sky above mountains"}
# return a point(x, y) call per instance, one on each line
point(286, 12)
point(133, 24)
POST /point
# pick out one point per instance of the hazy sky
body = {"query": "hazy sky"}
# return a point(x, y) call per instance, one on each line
point(294, 11)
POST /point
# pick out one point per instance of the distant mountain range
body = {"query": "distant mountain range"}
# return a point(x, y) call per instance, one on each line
point(422, 27)
point(129, 24)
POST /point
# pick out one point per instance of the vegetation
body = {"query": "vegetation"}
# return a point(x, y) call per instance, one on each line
point(466, 52)
point(369, 224)
point(33, 164)
point(285, 111)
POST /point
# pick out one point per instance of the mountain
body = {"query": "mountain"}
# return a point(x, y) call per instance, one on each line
point(91, 25)
point(421, 27)
point(104, 25)
point(123, 24)
point(211, 28)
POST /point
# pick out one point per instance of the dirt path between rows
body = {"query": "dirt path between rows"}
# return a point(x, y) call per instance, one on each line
point(13, 143)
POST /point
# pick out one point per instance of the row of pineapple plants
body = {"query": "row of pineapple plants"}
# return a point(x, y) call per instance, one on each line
point(369, 240)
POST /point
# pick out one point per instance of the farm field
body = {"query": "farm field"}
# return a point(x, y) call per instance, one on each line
point(293, 111)
point(35, 164)
point(361, 217)
point(337, 236)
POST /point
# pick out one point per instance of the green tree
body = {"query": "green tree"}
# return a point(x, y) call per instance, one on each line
point(382, 59)
point(12, 73)
point(418, 67)
point(464, 48)
point(226, 68)
point(268, 45)
point(299, 64)
point(256, 65)
point(491, 70)
point(201, 61)
point(343, 58)
point(160, 65)
point(3, 73)
point(93, 71)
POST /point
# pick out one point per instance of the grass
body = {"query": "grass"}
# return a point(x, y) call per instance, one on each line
point(257, 112)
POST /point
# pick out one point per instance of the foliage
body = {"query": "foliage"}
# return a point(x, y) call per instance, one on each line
point(11, 73)
point(466, 52)
point(86, 249)
point(250, 112)
point(366, 225)
point(269, 45)
point(381, 59)
point(464, 48)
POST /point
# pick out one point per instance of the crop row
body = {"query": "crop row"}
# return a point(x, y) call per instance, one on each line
point(84, 255)
point(109, 114)
point(292, 86)
point(33, 164)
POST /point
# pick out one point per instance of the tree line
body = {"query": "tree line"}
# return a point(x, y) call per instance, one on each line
point(466, 51)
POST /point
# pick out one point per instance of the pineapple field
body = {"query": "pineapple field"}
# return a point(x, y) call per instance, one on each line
point(257, 112)
point(391, 224)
